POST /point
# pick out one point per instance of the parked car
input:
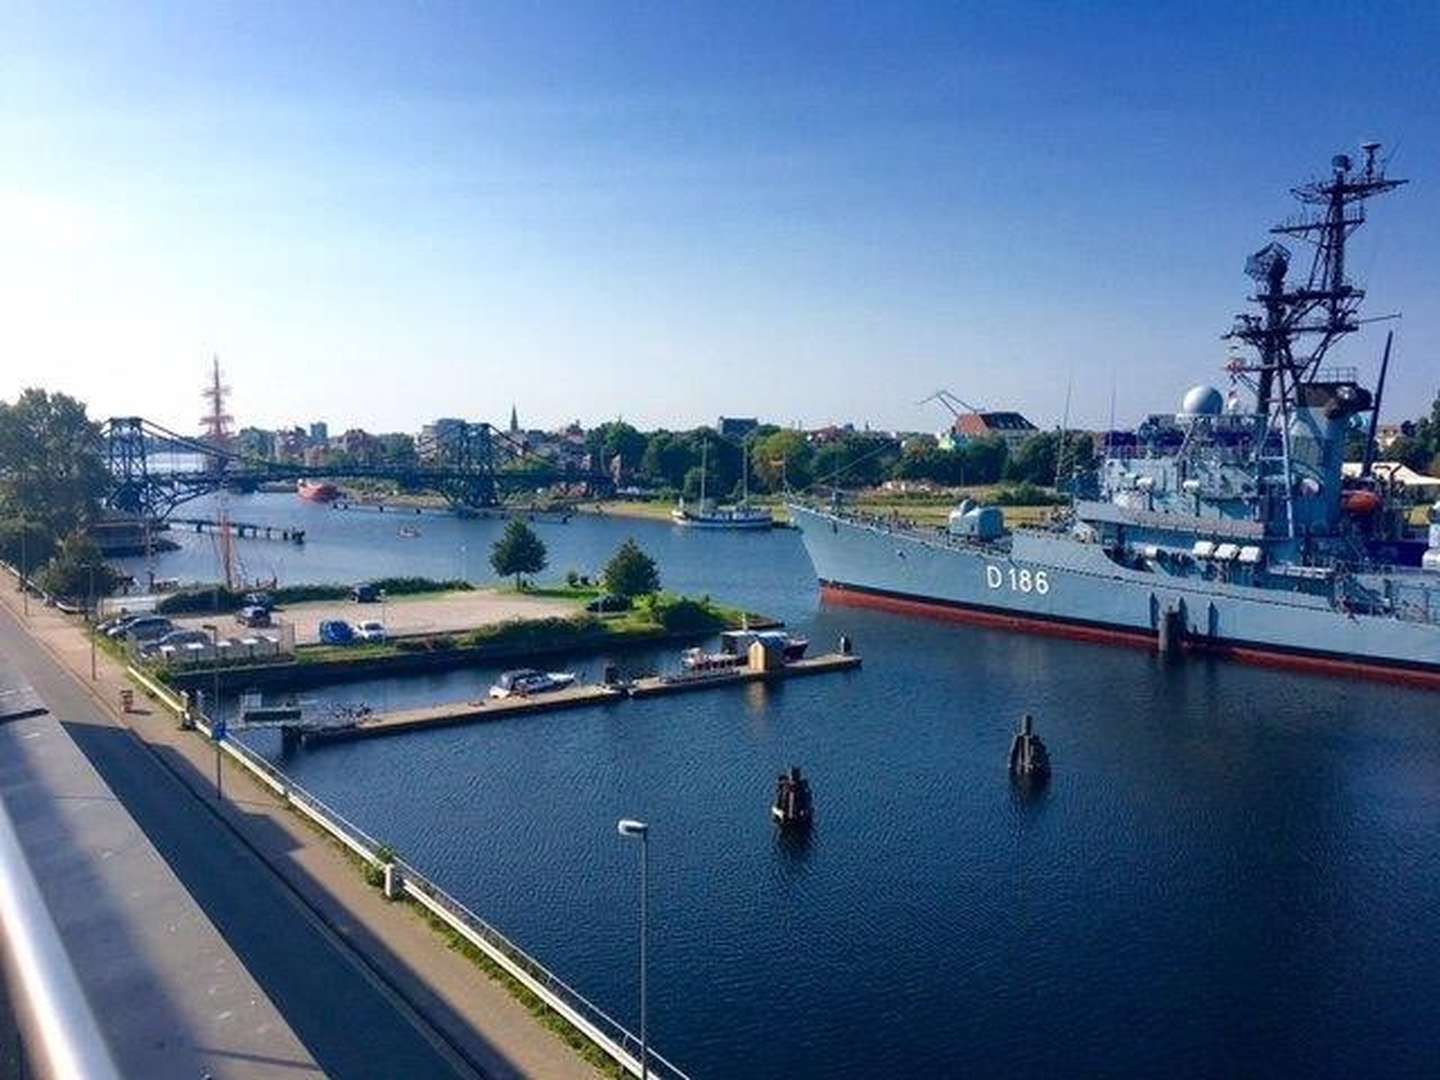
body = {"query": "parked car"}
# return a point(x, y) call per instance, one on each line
point(253, 616)
point(117, 626)
point(365, 593)
point(148, 628)
point(370, 630)
point(608, 602)
point(259, 599)
point(175, 639)
point(336, 632)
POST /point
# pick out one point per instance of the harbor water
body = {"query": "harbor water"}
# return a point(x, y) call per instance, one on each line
point(1233, 871)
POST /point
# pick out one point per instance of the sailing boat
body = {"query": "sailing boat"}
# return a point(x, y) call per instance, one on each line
point(709, 516)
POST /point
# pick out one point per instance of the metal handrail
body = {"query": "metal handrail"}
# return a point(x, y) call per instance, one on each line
point(60, 1037)
point(611, 1035)
point(583, 1008)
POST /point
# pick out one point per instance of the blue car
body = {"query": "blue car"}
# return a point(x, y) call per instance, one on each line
point(336, 632)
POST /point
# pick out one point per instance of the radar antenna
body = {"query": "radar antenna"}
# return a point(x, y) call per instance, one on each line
point(1326, 306)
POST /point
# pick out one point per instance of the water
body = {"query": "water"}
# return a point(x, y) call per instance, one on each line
point(1233, 871)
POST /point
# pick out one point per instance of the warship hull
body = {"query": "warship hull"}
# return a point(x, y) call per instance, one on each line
point(1056, 584)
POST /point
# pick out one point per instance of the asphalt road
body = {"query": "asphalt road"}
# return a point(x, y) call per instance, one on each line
point(350, 1021)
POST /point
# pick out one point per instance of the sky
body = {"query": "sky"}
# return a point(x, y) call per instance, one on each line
point(666, 212)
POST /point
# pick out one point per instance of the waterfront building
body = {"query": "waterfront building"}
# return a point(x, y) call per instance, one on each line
point(1011, 427)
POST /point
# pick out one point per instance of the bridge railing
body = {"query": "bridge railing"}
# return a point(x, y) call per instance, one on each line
point(59, 1034)
point(612, 1037)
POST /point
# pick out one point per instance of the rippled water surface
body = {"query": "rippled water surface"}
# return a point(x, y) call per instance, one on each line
point(1234, 871)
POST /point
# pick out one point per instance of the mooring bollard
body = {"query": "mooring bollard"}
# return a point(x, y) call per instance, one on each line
point(127, 700)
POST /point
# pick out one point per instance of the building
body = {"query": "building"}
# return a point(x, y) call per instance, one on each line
point(1013, 428)
point(736, 427)
point(319, 433)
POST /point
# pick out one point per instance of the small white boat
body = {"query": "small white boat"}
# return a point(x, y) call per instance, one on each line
point(523, 682)
point(698, 660)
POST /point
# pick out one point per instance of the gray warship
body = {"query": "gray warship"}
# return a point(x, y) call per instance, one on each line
point(1231, 526)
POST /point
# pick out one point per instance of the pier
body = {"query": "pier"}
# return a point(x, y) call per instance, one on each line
point(655, 685)
point(244, 529)
point(466, 712)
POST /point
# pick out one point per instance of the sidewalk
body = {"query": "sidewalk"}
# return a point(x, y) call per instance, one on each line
point(473, 1013)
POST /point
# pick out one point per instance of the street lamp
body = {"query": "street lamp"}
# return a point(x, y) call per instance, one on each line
point(628, 827)
point(215, 667)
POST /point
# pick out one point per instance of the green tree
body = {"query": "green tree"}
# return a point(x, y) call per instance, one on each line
point(854, 461)
point(781, 457)
point(518, 551)
point(617, 437)
point(1410, 450)
point(630, 572)
point(667, 458)
point(51, 469)
point(77, 569)
point(26, 544)
point(983, 460)
point(1034, 461)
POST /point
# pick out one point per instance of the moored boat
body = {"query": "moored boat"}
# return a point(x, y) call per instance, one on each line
point(312, 491)
point(522, 682)
point(1228, 526)
point(708, 515)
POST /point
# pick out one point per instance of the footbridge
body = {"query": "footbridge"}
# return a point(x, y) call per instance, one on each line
point(153, 469)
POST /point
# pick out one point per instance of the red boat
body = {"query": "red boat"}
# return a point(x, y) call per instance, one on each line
point(321, 492)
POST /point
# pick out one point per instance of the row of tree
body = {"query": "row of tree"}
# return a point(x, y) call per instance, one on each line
point(781, 457)
point(519, 552)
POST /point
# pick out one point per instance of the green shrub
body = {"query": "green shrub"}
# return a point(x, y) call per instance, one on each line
point(431, 643)
point(408, 586)
point(682, 614)
point(549, 632)
point(1027, 494)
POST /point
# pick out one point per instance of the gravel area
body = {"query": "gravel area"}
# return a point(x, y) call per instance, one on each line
point(434, 613)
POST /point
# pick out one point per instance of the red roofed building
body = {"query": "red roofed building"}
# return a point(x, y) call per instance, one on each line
point(1010, 426)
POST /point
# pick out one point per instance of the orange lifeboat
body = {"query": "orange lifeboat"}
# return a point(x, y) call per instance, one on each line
point(1360, 503)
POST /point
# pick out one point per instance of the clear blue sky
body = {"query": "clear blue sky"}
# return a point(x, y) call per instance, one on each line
point(668, 211)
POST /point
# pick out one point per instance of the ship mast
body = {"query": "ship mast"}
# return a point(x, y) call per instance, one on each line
point(1325, 307)
point(1322, 310)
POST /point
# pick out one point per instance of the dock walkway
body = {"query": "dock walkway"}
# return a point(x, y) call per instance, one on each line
point(464, 712)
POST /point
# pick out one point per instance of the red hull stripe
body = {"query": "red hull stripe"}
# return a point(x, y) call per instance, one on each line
point(1075, 631)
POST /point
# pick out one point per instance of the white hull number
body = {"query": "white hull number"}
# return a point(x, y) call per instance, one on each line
point(1018, 578)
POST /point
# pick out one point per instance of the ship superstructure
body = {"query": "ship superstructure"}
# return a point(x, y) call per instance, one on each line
point(1229, 525)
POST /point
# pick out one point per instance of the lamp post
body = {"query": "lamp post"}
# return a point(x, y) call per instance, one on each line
point(215, 667)
point(94, 619)
point(24, 562)
point(628, 827)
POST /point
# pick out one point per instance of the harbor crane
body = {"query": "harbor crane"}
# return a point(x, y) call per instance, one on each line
point(949, 400)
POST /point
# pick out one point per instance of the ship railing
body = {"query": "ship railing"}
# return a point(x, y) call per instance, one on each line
point(612, 1037)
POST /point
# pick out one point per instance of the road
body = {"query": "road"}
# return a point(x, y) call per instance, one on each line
point(348, 1018)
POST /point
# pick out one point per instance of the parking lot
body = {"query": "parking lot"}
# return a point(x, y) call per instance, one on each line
point(434, 613)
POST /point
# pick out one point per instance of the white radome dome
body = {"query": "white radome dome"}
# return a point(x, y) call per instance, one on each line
point(1202, 401)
